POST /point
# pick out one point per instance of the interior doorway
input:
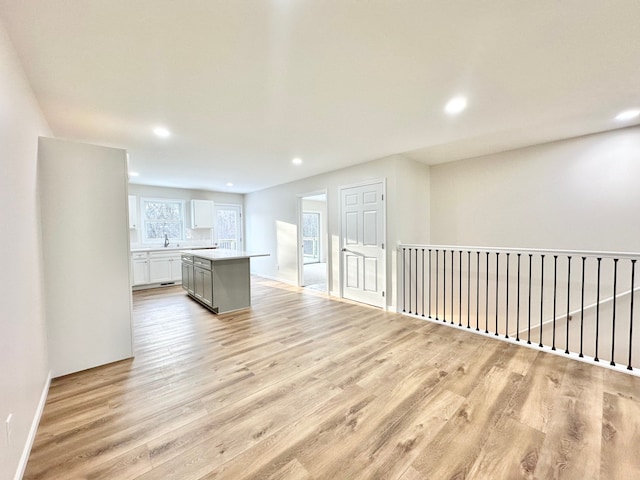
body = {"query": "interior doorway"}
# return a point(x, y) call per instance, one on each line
point(312, 241)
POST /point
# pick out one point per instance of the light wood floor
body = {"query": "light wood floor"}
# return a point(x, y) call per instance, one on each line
point(304, 387)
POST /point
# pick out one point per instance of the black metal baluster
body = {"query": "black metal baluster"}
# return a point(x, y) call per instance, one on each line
point(437, 275)
point(529, 315)
point(452, 279)
point(460, 290)
point(477, 291)
point(633, 271)
point(497, 277)
point(597, 310)
point(541, 297)
point(410, 280)
point(444, 286)
point(555, 283)
point(423, 282)
point(486, 299)
point(404, 277)
point(518, 304)
point(506, 333)
point(566, 340)
point(429, 283)
point(584, 259)
point(468, 288)
point(452, 259)
point(416, 281)
point(613, 316)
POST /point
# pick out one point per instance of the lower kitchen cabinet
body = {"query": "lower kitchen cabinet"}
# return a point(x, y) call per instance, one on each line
point(187, 274)
point(139, 269)
point(203, 280)
point(203, 285)
point(153, 268)
point(164, 267)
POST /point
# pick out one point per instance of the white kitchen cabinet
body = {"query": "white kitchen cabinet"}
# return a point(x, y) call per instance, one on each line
point(164, 267)
point(139, 268)
point(202, 214)
point(133, 211)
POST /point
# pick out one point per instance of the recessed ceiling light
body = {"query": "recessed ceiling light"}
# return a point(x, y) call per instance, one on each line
point(455, 105)
point(628, 115)
point(296, 161)
point(229, 184)
point(161, 132)
point(133, 174)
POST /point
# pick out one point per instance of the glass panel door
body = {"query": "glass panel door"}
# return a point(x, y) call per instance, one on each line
point(228, 231)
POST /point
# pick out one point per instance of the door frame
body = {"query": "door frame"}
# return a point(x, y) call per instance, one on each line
point(240, 225)
point(383, 181)
point(324, 235)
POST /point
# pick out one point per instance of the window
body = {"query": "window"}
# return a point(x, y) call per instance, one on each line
point(311, 236)
point(162, 217)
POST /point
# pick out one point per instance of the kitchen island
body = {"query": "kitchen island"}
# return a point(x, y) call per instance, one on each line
point(219, 279)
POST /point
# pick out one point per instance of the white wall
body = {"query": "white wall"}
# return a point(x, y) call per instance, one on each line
point(582, 193)
point(23, 355)
point(194, 236)
point(85, 243)
point(272, 217)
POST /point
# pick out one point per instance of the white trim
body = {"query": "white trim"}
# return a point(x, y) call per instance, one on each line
point(142, 220)
point(324, 232)
point(239, 206)
point(24, 458)
point(574, 253)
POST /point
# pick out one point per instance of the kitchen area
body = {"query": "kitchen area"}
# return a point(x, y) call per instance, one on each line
point(193, 238)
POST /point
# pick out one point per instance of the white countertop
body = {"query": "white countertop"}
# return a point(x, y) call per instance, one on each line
point(222, 254)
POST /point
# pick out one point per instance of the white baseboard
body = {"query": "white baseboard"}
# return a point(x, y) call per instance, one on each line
point(34, 429)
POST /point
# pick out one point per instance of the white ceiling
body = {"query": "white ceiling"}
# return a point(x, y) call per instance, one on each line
point(245, 86)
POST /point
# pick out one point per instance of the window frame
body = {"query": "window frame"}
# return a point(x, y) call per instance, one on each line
point(318, 214)
point(143, 214)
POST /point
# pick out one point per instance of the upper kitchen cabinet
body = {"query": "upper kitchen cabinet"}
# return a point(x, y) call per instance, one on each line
point(133, 212)
point(202, 214)
point(85, 247)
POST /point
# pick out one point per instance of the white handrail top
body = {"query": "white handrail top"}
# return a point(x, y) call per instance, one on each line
point(573, 253)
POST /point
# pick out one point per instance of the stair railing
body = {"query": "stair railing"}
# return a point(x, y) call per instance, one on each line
point(576, 303)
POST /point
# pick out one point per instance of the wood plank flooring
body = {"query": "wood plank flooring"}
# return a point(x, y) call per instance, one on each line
point(301, 386)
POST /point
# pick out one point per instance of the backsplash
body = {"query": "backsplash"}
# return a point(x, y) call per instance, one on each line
point(193, 238)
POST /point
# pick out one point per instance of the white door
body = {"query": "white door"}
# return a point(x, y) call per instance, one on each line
point(362, 240)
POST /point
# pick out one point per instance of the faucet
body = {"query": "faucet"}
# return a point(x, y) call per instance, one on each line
point(166, 240)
